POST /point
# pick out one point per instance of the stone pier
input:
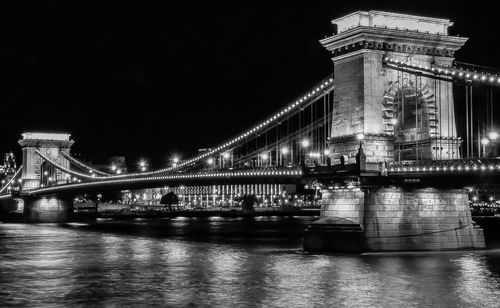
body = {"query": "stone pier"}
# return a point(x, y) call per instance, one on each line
point(394, 219)
point(47, 209)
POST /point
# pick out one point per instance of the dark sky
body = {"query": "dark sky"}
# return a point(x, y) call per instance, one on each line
point(149, 79)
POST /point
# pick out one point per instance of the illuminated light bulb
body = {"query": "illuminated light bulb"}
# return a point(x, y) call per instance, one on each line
point(485, 141)
point(483, 78)
point(360, 136)
point(284, 150)
point(118, 171)
point(394, 121)
point(326, 152)
point(460, 74)
point(492, 79)
point(210, 161)
point(467, 75)
point(305, 143)
point(474, 77)
point(265, 156)
point(493, 135)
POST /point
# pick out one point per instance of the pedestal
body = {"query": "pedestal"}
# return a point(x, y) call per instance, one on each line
point(394, 219)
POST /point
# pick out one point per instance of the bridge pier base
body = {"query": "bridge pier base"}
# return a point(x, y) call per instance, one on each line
point(46, 209)
point(393, 219)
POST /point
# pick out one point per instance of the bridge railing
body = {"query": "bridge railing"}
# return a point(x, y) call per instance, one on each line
point(452, 165)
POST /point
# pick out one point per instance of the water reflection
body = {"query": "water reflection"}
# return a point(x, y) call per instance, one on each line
point(173, 264)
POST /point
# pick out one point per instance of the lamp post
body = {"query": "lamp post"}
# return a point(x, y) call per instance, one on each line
point(360, 154)
point(142, 165)
point(284, 152)
point(485, 142)
point(493, 136)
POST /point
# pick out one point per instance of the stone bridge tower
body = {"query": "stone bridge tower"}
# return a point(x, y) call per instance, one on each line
point(36, 171)
point(401, 116)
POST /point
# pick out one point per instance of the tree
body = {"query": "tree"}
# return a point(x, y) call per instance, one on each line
point(169, 199)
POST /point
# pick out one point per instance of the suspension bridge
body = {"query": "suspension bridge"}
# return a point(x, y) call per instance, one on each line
point(395, 138)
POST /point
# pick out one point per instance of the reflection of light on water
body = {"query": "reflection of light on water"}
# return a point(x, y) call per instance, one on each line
point(141, 248)
point(175, 252)
point(225, 266)
point(225, 260)
point(112, 247)
point(475, 282)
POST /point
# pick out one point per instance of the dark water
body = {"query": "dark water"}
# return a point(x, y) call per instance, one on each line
point(226, 263)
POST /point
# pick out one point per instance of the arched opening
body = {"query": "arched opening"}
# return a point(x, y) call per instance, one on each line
point(411, 127)
point(47, 174)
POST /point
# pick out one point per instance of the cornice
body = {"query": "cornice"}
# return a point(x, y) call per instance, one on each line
point(392, 40)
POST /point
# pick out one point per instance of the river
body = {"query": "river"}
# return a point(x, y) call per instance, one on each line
point(226, 262)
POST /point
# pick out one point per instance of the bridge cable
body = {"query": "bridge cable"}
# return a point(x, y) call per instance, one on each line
point(66, 170)
point(82, 165)
point(12, 179)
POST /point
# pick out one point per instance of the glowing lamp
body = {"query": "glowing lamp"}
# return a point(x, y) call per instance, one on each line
point(493, 135)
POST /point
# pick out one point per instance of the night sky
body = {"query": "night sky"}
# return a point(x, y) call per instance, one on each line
point(150, 79)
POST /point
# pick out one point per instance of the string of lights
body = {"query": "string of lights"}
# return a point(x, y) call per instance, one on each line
point(198, 176)
point(93, 176)
point(452, 72)
point(82, 165)
point(317, 90)
point(440, 168)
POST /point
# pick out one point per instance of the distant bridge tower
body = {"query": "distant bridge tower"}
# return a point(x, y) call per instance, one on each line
point(401, 116)
point(36, 171)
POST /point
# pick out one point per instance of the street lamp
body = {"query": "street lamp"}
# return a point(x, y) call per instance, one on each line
point(142, 165)
point(493, 136)
point(360, 137)
point(485, 142)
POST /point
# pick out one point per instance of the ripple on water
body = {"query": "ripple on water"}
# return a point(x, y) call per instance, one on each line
point(50, 265)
